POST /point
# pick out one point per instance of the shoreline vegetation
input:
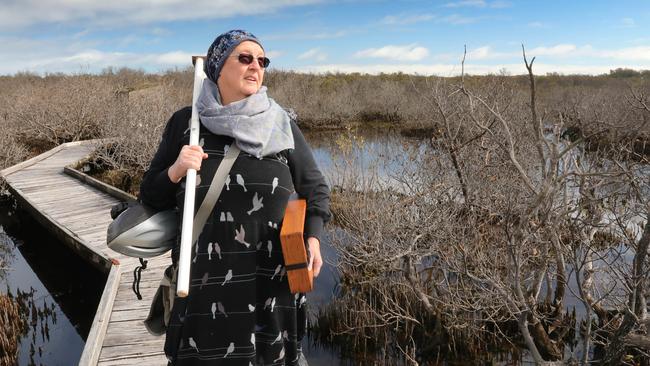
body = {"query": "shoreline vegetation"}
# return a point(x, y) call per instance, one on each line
point(529, 190)
point(41, 112)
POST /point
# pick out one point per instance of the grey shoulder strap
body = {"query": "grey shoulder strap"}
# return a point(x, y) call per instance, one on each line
point(214, 191)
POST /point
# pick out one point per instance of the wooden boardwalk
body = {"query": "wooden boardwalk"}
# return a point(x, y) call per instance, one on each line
point(76, 208)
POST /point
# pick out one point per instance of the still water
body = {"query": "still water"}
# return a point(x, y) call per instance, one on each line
point(60, 292)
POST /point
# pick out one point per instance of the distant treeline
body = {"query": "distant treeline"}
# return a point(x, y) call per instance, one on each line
point(40, 112)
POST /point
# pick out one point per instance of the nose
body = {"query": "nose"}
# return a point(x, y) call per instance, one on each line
point(255, 65)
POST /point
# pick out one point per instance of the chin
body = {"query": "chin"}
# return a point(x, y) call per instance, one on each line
point(250, 91)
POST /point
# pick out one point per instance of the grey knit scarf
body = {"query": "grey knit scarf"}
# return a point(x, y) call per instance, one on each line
point(258, 124)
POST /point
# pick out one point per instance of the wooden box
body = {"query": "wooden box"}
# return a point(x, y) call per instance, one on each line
point(293, 247)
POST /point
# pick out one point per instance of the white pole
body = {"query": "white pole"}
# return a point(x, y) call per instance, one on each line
point(183, 283)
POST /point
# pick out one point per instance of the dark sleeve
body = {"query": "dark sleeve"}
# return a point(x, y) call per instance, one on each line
point(310, 184)
point(156, 189)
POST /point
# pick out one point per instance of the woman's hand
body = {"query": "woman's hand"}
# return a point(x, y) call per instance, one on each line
point(315, 260)
point(190, 157)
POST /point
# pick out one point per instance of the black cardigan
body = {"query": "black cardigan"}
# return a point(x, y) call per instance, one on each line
point(159, 192)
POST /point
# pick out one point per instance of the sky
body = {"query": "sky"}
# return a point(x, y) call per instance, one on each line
point(366, 36)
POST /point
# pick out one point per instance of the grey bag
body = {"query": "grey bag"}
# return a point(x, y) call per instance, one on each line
point(160, 311)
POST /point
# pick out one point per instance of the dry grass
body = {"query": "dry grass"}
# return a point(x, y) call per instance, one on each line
point(12, 327)
point(38, 113)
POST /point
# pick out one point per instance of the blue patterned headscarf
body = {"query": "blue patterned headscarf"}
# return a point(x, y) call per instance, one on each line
point(222, 47)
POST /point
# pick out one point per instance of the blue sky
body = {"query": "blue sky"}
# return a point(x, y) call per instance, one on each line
point(368, 36)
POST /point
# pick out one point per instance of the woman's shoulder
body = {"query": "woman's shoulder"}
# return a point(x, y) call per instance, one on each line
point(181, 115)
point(178, 122)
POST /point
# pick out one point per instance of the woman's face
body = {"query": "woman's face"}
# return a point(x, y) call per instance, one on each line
point(238, 80)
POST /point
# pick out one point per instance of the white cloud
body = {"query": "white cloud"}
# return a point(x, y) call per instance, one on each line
point(406, 19)
point(69, 57)
point(641, 53)
point(21, 13)
point(639, 40)
point(455, 69)
point(569, 52)
point(304, 34)
point(480, 53)
point(557, 50)
point(94, 60)
point(314, 54)
point(411, 52)
point(587, 52)
point(72, 55)
point(171, 58)
point(161, 32)
point(468, 3)
point(274, 54)
point(478, 4)
point(456, 19)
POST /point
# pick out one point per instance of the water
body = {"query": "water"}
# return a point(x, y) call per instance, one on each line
point(61, 291)
point(349, 159)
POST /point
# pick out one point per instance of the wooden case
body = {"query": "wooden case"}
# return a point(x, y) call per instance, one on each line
point(293, 247)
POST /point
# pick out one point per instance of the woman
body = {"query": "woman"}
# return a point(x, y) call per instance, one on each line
point(239, 310)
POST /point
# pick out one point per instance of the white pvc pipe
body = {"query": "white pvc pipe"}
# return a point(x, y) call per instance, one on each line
point(183, 282)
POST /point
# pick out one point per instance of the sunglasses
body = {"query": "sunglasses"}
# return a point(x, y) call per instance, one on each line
point(247, 59)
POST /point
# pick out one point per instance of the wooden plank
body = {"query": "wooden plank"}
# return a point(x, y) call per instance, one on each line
point(126, 332)
point(52, 185)
point(133, 350)
point(38, 183)
point(98, 212)
point(65, 235)
point(67, 151)
point(92, 209)
point(64, 209)
point(83, 228)
point(118, 335)
point(79, 194)
point(130, 304)
point(87, 231)
point(48, 182)
point(27, 163)
point(62, 203)
point(76, 197)
point(8, 171)
point(129, 315)
point(89, 226)
point(26, 176)
point(95, 339)
point(149, 283)
point(83, 219)
point(95, 240)
point(157, 359)
point(88, 221)
point(117, 193)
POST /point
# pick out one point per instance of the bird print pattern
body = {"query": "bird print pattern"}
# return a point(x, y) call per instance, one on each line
point(238, 281)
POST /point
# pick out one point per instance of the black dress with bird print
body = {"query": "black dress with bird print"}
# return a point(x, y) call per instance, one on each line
point(239, 310)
